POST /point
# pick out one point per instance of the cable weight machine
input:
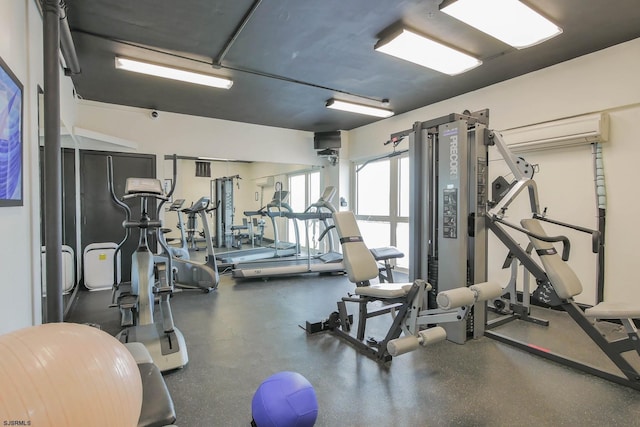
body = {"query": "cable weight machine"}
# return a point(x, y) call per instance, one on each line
point(448, 162)
point(224, 211)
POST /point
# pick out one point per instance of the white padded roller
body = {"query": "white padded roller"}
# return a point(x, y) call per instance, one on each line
point(432, 336)
point(454, 298)
point(406, 344)
point(486, 290)
point(402, 345)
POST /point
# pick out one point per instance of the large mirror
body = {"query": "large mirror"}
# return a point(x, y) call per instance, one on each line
point(248, 186)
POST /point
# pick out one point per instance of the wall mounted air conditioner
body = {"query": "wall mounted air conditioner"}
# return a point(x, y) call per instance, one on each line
point(578, 130)
point(265, 181)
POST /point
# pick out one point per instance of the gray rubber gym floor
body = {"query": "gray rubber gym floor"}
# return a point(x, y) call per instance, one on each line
point(247, 330)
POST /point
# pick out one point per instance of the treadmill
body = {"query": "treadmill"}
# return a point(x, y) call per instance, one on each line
point(277, 207)
point(330, 262)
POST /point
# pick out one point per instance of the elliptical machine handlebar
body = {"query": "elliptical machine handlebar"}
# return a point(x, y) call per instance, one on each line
point(161, 239)
point(174, 161)
point(118, 202)
point(127, 211)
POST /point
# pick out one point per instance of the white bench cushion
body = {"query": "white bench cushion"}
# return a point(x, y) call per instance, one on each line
point(562, 277)
point(614, 310)
point(385, 290)
point(358, 260)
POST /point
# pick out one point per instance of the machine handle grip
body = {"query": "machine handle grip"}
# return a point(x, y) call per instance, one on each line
point(566, 244)
point(596, 242)
point(596, 236)
point(326, 230)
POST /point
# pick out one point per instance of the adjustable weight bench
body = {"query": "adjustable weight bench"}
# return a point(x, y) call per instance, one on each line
point(404, 301)
point(562, 286)
point(625, 313)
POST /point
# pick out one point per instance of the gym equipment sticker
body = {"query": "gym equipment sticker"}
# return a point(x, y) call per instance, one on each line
point(450, 213)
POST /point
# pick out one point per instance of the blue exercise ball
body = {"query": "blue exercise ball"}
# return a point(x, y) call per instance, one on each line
point(285, 399)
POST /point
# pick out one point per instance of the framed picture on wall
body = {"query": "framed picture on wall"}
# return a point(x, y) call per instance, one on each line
point(11, 113)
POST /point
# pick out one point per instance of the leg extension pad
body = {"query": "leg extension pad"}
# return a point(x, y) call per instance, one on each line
point(424, 338)
point(459, 297)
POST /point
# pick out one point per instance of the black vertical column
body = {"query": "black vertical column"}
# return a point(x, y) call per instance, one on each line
point(52, 160)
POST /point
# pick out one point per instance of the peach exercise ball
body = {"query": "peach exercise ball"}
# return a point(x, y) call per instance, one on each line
point(66, 374)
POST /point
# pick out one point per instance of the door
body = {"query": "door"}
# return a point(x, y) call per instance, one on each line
point(101, 217)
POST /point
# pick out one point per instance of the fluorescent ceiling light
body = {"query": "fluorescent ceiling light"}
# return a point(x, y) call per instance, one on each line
point(508, 20)
point(358, 108)
point(215, 159)
point(418, 49)
point(172, 73)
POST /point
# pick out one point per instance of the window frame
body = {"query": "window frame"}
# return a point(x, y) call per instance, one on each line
point(394, 218)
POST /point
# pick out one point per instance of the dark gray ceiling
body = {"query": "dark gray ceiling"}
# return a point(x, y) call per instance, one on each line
point(294, 55)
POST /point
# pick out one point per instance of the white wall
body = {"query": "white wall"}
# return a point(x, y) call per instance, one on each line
point(197, 136)
point(185, 135)
point(16, 250)
point(602, 81)
point(21, 49)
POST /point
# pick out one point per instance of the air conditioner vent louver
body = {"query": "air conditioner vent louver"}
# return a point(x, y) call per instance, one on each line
point(578, 130)
point(266, 181)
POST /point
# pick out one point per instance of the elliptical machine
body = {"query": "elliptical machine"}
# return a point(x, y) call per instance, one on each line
point(136, 299)
point(191, 274)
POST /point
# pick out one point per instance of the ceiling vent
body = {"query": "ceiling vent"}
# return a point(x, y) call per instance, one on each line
point(203, 169)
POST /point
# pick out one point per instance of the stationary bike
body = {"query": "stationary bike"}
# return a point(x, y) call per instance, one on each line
point(136, 299)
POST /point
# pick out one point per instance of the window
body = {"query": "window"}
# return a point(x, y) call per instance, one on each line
point(382, 214)
point(304, 189)
point(298, 192)
point(403, 185)
point(402, 220)
point(373, 185)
